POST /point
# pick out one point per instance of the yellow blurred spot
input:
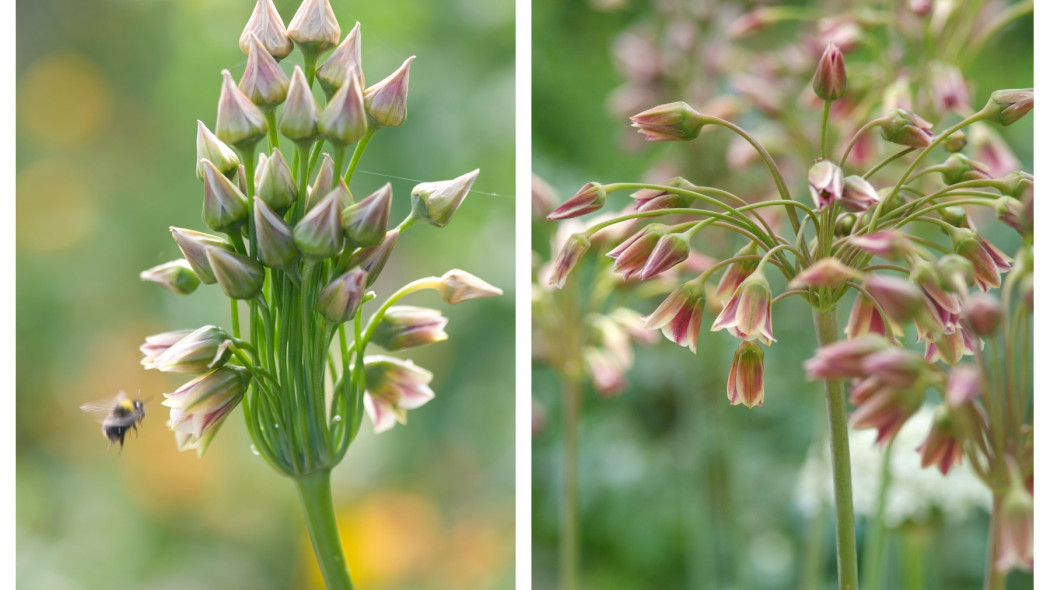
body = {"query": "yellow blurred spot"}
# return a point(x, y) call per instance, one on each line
point(475, 555)
point(63, 99)
point(55, 210)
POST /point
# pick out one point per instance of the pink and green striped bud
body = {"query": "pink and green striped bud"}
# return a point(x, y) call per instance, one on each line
point(1012, 212)
point(319, 234)
point(649, 199)
point(679, 316)
point(1005, 107)
point(825, 183)
point(928, 276)
point(829, 81)
point(406, 326)
point(392, 387)
point(199, 351)
point(435, 202)
point(457, 285)
point(864, 318)
point(949, 347)
point(826, 272)
point(364, 223)
point(571, 253)
point(266, 24)
point(341, 298)
point(988, 261)
point(885, 409)
point(274, 237)
point(891, 245)
point(748, 315)
point(736, 273)
point(225, 207)
point(1015, 530)
point(314, 28)
point(298, 120)
point(983, 313)
point(343, 64)
point(942, 446)
point(676, 121)
point(906, 128)
point(387, 100)
point(263, 81)
point(588, 199)
point(239, 277)
point(199, 407)
point(858, 194)
point(156, 344)
point(343, 121)
point(958, 168)
point(670, 251)
point(176, 276)
point(275, 184)
point(211, 148)
point(844, 359)
point(963, 386)
point(238, 122)
point(900, 299)
point(896, 367)
point(194, 245)
point(631, 255)
point(746, 383)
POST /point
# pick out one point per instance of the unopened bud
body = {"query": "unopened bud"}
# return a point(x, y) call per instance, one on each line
point(435, 202)
point(364, 223)
point(339, 300)
point(887, 244)
point(343, 64)
point(653, 199)
point(199, 351)
point(343, 120)
point(904, 128)
point(574, 249)
point(958, 168)
point(404, 326)
point(314, 27)
point(844, 224)
point(387, 101)
point(826, 272)
point(949, 89)
point(746, 384)
point(263, 81)
point(588, 199)
point(274, 236)
point(1011, 212)
point(955, 142)
point(374, 259)
point(984, 313)
point(676, 121)
point(319, 234)
point(299, 115)
point(459, 285)
point(211, 148)
point(322, 182)
point(239, 122)
point(857, 194)
point(955, 216)
point(275, 184)
point(176, 276)
point(670, 250)
point(1007, 106)
point(225, 208)
point(239, 277)
point(194, 245)
point(900, 299)
point(266, 24)
point(829, 82)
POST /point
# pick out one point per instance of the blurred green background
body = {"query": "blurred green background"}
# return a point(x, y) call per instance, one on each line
point(108, 96)
point(677, 488)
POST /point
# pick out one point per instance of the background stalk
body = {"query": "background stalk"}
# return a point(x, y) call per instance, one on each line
point(315, 492)
point(570, 501)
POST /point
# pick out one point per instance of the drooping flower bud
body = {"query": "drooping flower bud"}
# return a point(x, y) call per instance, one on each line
point(983, 313)
point(887, 244)
point(942, 446)
point(588, 199)
point(211, 148)
point(988, 261)
point(343, 120)
point(886, 409)
point(459, 285)
point(343, 64)
point(574, 249)
point(225, 208)
point(239, 277)
point(176, 276)
point(156, 344)
point(843, 359)
point(604, 371)
point(676, 121)
point(193, 245)
point(374, 259)
point(904, 128)
point(670, 251)
point(897, 367)
point(340, 299)
point(829, 82)
point(825, 183)
point(955, 142)
point(679, 316)
point(653, 199)
point(387, 100)
point(632, 254)
point(319, 234)
point(963, 386)
point(748, 315)
point(900, 299)
point(198, 352)
point(263, 81)
point(239, 122)
point(1015, 530)
point(746, 383)
point(274, 236)
point(275, 184)
point(299, 115)
point(266, 24)
point(199, 407)
point(314, 27)
point(1007, 106)
point(405, 326)
point(364, 223)
point(857, 194)
point(864, 318)
point(826, 272)
point(958, 168)
point(736, 273)
point(435, 202)
point(392, 387)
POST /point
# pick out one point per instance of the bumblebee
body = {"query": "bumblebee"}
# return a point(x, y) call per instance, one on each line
point(117, 415)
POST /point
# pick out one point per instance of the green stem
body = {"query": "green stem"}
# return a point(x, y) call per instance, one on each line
point(913, 557)
point(359, 150)
point(875, 541)
point(570, 544)
point(845, 536)
point(993, 578)
point(824, 130)
point(315, 491)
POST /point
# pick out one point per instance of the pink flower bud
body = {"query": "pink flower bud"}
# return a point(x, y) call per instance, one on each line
point(963, 386)
point(900, 299)
point(225, 208)
point(392, 387)
point(343, 120)
point(990, 150)
point(1012, 212)
point(829, 82)
point(322, 182)
point(908, 129)
point(748, 315)
point(274, 236)
point(239, 277)
point(211, 148)
point(404, 326)
point(679, 316)
point(825, 183)
point(364, 223)
point(988, 261)
point(1007, 106)
point(652, 199)
point(736, 273)
point(670, 251)
point(314, 27)
point(343, 64)
point(299, 115)
point(746, 380)
point(544, 200)
point(571, 252)
point(340, 299)
point(374, 259)
point(263, 81)
point(156, 344)
point(604, 371)
point(275, 184)
point(843, 359)
point(949, 89)
point(199, 351)
point(864, 318)
point(176, 276)
point(199, 407)
point(674, 121)
point(757, 19)
point(239, 122)
point(896, 367)
point(266, 24)
point(858, 194)
point(387, 101)
point(983, 313)
point(435, 202)
point(459, 285)
point(887, 244)
point(319, 234)
point(588, 199)
point(632, 253)
point(193, 245)
point(886, 410)
point(826, 272)
point(942, 446)
point(1015, 531)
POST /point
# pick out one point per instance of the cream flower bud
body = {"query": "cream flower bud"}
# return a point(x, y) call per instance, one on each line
point(1007, 106)
point(275, 184)
point(156, 344)
point(225, 208)
point(435, 202)
point(405, 326)
point(299, 115)
point(263, 81)
point(676, 121)
point(274, 235)
point(319, 234)
point(679, 316)
point(459, 285)
point(343, 121)
point(239, 122)
point(670, 251)
point(175, 276)
point(826, 272)
point(239, 277)
point(387, 101)
point(748, 314)
point(194, 245)
point(343, 64)
point(364, 223)
point(314, 27)
point(322, 182)
point(198, 352)
point(266, 24)
point(857, 194)
point(340, 299)
point(211, 148)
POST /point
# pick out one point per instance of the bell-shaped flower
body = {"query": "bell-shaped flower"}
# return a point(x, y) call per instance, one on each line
point(571, 253)
point(906, 128)
point(1015, 530)
point(263, 81)
point(274, 237)
point(894, 366)
point(886, 409)
point(843, 359)
point(676, 121)
point(340, 299)
point(211, 148)
point(826, 272)
point(239, 122)
point(387, 100)
point(949, 89)
point(631, 255)
point(266, 24)
point(825, 183)
point(194, 245)
point(857, 194)
point(650, 199)
point(679, 316)
point(319, 234)
point(829, 81)
point(176, 276)
point(392, 387)
point(605, 372)
point(865, 318)
point(983, 313)
point(199, 351)
point(459, 285)
point(406, 326)
point(275, 184)
point(942, 446)
point(748, 315)
point(1007, 106)
point(670, 250)
point(343, 64)
point(988, 261)
point(156, 344)
point(314, 27)
point(588, 199)
point(746, 383)
point(900, 299)
point(298, 120)
point(343, 120)
point(435, 202)
point(225, 207)
point(737, 272)
point(239, 277)
point(199, 407)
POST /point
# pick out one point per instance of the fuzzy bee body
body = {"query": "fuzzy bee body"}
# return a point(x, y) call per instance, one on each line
point(117, 416)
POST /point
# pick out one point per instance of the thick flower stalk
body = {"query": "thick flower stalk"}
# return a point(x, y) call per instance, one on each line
point(296, 255)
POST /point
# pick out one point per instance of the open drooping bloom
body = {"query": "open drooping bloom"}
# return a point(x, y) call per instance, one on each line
point(679, 315)
point(199, 407)
point(748, 315)
point(746, 383)
point(392, 387)
point(942, 446)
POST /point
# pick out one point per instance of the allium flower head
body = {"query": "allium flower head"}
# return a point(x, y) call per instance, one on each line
point(748, 315)
point(266, 24)
point(679, 316)
point(676, 121)
point(199, 407)
point(829, 81)
point(825, 183)
point(392, 387)
point(588, 199)
point(176, 276)
point(387, 100)
point(746, 383)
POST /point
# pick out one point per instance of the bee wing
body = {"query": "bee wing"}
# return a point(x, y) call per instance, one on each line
point(102, 408)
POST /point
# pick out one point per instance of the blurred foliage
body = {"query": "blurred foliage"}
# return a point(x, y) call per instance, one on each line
point(107, 99)
point(679, 489)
